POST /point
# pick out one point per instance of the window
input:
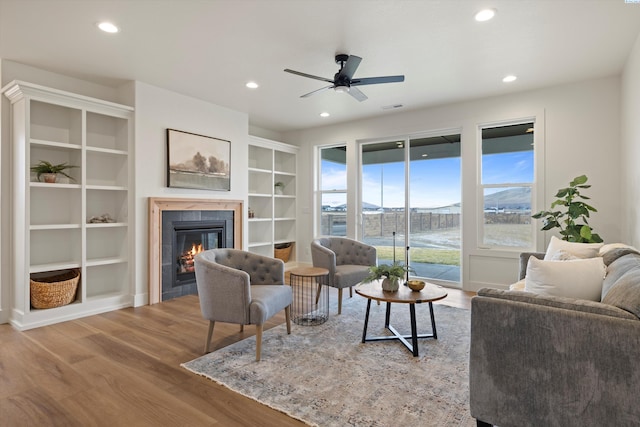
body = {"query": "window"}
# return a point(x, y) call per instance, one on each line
point(333, 191)
point(507, 179)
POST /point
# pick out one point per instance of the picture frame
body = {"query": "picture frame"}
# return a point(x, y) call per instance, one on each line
point(198, 161)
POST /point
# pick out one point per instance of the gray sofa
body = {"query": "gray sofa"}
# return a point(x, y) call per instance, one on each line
point(539, 360)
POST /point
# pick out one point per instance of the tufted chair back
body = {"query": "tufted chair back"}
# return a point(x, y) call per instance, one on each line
point(240, 287)
point(261, 270)
point(349, 251)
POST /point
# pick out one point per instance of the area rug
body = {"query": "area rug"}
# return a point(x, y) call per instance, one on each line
point(323, 375)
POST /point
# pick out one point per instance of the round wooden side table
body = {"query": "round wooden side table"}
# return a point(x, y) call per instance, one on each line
point(308, 308)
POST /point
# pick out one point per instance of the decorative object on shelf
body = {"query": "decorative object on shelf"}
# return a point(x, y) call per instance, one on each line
point(392, 274)
point(198, 161)
point(279, 187)
point(104, 218)
point(415, 285)
point(282, 251)
point(50, 171)
point(575, 211)
point(251, 213)
point(54, 288)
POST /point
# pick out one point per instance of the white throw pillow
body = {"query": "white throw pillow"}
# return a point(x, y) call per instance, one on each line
point(580, 250)
point(579, 278)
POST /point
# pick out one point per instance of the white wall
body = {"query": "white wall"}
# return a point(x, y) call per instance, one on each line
point(156, 110)
point(631, 146)
point(581, 136)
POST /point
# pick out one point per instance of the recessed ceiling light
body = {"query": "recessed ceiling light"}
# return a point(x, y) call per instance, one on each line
point(509, 79)
point(252, 85)
point(324, 114)
point(485, 15)
point(529, 130)
point(108, 27)
point(425, 155)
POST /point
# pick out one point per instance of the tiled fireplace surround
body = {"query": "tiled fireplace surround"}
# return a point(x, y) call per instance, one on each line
point(185, 210)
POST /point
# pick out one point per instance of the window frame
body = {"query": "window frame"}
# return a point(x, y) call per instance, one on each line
point(538, 155)
point(319, 192)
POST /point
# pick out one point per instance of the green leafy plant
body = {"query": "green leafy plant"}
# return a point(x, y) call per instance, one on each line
point(44, 167)
point(391, 271)
point(279, 184)
point(572, 220)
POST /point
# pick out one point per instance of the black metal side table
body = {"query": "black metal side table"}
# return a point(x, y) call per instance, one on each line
point(306, 309)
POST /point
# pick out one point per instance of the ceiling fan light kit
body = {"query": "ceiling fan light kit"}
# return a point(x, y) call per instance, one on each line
point(343, 80)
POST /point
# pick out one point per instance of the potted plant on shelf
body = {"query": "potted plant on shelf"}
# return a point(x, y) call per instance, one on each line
point(50, 171)
point(392, 274)
point(279, 187)
point(572, 222)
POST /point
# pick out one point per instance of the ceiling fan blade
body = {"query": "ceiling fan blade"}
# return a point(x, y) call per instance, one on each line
point(350, 67)
point(306, 95)
point(308, 75)
point(357, 94)
point(376, 80)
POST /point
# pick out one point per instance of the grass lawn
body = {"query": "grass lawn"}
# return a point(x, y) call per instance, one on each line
point(422, 255)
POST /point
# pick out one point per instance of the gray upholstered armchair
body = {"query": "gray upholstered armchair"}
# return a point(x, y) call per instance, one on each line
point(235, 286)
point(347, 260)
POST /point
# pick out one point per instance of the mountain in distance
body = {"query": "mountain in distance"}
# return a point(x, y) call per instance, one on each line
point(513, 198)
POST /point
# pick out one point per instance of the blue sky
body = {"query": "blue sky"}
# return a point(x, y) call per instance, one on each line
point(434, 182)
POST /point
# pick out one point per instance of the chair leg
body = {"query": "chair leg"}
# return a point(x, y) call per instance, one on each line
point(209, 334)
point(340, 301)
point(483, 424)
point(287, 315)
point(241, 328)
point(350, 291)
point(258, 342)
point(318, 293)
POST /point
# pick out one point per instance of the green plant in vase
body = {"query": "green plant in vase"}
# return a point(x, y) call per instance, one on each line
point(50, 171)
point(390, 273)
point(572, 220)
point(279, 187)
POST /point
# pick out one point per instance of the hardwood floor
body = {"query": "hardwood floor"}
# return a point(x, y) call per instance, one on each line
point(122, 368)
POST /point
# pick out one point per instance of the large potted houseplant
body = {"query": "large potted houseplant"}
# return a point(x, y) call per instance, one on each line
point(50, 172)
point(390, 273)
point(571, 214)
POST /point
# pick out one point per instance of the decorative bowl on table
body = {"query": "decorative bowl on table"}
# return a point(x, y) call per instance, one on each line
point(415, 285)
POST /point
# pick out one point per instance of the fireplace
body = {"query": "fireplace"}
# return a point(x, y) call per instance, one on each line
point(184, 235)
point(161, 262)
point(189, 239)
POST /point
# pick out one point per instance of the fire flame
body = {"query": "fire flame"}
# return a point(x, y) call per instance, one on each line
point(196, 249)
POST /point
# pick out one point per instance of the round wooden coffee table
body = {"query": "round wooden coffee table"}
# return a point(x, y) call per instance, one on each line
point(404, 295)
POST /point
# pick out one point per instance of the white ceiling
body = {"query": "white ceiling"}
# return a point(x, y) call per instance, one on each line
point(210, 49)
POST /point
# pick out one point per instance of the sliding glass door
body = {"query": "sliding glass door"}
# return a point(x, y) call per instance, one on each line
point(411, 203)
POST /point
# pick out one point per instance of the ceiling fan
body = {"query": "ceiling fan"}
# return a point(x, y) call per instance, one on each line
point(343, 80)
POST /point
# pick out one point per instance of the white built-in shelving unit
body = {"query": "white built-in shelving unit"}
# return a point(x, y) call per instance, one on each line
point(274, 218)
point(51, 229)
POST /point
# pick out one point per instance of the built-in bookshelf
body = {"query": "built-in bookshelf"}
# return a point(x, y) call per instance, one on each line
point(79, 223)
point(273, 219)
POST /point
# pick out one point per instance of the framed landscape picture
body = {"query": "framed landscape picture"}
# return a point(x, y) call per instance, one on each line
point(197, 161)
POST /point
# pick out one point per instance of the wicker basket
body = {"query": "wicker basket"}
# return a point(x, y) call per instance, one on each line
point(283, 251)
point(55, 290)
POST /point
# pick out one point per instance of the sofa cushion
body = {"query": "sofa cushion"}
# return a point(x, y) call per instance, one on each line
point(625, 292)
point(613, 254)
point(617, 268)
point(580, 250)
point(580, 278)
